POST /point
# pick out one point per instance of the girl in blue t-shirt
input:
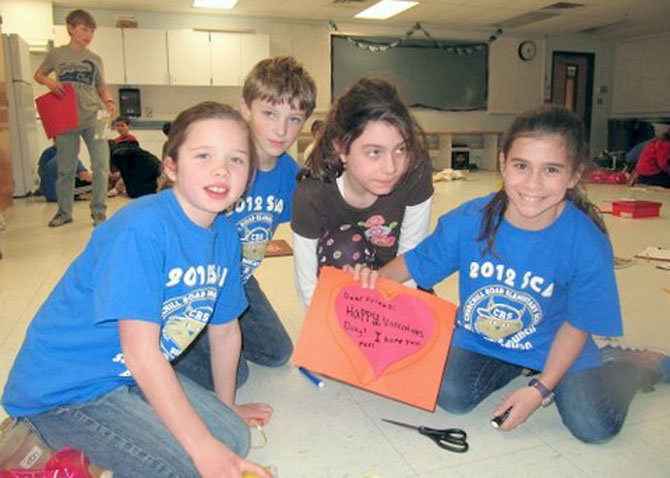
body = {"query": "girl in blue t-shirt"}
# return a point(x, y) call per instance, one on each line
point(536, 280)
point(95, 369)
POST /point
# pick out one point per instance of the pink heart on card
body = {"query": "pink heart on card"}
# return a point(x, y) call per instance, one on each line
point(385, 331)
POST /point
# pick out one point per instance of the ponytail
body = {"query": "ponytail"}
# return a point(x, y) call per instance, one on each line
point(492, 217)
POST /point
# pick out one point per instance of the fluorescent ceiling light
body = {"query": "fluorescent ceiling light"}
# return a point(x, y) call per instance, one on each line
point(221, 4)
point(385, 9)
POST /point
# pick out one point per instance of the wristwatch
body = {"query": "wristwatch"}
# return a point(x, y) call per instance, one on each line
point(547, 395)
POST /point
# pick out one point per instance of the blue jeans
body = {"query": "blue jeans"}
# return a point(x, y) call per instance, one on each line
point(264, 341)
point(121, 432)
point(196, 363)
point(592, 403)
point(67, 147)
point(264, 338)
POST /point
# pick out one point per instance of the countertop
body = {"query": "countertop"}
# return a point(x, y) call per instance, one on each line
point(148, 123)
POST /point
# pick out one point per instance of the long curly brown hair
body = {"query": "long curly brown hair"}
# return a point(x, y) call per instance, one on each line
point(369, 99)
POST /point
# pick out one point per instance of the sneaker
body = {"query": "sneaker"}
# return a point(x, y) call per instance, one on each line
point(98, 218)
point(654, 366)
point(59, 220)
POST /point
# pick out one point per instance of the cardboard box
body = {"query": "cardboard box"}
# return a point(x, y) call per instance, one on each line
point(636, 209)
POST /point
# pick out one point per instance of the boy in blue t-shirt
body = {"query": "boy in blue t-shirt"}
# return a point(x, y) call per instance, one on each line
point(277, 98)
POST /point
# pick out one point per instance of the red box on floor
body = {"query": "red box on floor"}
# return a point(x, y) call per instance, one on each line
point(636, 209)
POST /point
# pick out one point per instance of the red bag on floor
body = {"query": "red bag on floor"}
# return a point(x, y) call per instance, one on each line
point(65, 463)
point(606, 176)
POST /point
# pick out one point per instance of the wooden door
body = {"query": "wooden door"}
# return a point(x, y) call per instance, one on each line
point(572, 83)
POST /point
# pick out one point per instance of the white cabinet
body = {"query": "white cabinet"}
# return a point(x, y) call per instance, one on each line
point(253, 48)
point(129, 56)
point(233, 55)
point(215, 58)
point(225, 57)
point(186, 57)
point(108, 44)
point(146, 56)
point(189, 57)
point(139, 56)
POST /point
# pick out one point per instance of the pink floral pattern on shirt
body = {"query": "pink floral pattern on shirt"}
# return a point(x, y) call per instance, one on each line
point(377, 232)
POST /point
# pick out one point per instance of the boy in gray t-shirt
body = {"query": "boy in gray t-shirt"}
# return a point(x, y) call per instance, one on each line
point(75, 64)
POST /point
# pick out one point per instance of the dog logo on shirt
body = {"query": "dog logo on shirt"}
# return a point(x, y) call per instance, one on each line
point(503, 315)
point(497, 321)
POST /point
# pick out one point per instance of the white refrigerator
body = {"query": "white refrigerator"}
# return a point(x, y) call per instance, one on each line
point(22, 117)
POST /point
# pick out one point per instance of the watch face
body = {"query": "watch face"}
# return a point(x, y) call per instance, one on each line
point(527, 50)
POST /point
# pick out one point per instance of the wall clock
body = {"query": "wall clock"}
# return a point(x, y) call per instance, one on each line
point(527, 50)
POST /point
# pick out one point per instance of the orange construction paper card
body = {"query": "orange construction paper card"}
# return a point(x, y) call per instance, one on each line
point(392, 340)
point(58, 115)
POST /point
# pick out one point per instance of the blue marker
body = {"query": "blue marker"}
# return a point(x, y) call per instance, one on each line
point(312, 378)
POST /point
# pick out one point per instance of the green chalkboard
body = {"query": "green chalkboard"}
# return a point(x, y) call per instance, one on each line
point(431, 74)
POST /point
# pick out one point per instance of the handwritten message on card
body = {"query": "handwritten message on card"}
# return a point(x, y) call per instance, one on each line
point(392, 340)
point(385, 331)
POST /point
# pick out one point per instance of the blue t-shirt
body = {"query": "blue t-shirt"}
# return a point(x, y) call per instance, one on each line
point(48, 172)
point(514, 301)
point(267, 204)
point(149, 262)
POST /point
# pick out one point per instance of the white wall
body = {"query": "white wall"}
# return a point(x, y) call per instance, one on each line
point(642, 77)
point(31, 19)
point(514, 85)
point(603, 51)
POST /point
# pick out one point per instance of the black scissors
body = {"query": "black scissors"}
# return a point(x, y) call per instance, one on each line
point(452, 439)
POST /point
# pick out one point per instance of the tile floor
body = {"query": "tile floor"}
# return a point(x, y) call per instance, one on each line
point(337, 431)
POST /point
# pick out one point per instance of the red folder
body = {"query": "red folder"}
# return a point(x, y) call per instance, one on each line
point(58, 114)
